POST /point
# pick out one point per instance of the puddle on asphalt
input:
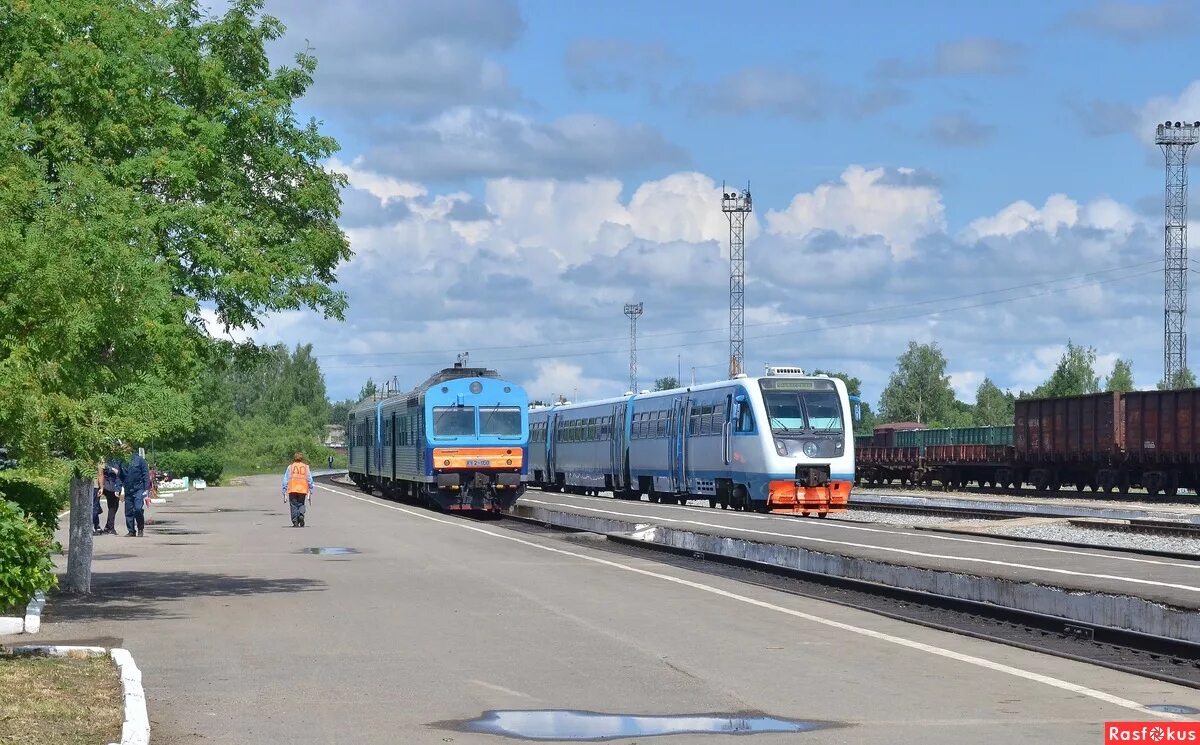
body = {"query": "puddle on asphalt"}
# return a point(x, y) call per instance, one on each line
point(105, 557)
point(329, 550)
point(568, 725)
point(1173, 708)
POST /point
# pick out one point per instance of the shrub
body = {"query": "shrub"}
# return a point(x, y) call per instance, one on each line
point(40, 494)
point(25, 565)
point(204, 464)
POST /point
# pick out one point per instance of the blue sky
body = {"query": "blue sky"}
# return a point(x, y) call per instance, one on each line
point(519, 170)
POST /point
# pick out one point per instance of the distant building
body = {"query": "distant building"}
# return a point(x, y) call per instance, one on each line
point(335, 436)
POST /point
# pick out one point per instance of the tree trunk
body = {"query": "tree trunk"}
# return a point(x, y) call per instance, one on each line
point(79, 551)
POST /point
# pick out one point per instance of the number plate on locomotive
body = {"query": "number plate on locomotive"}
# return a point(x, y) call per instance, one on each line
point(477, 462)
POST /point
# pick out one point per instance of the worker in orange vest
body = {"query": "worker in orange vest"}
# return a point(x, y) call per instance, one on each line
point(297, 487)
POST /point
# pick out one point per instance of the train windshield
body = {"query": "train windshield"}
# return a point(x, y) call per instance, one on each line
point(500, 420)
point(453, 421)
point(795, 411)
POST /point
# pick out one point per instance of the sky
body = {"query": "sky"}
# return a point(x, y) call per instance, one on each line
point(979, 175)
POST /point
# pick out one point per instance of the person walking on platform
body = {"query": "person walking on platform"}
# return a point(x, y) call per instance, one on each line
point(135, 478)
point(109, 480)
point(297, 487)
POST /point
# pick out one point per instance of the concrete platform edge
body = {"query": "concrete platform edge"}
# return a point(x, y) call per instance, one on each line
point(1091, 608)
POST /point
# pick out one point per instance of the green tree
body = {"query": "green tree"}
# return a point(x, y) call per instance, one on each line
point(339, 411)
point(1183, 379)
point(151, 165)
point(993, 407)
point(1120, 380)
point(1075, 374)
point(666, 384)
point(919, 389)
point(369, 389)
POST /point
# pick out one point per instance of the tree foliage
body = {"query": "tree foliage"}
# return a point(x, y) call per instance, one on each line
point(1120, 380)
point(368, 389)
point(993, 407)
point(1075, 374)
point(666, 383)
point(1182, 379)
point(151, 168)
point(919, 388)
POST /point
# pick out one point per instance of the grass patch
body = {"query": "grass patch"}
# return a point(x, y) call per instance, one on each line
point(59, 700)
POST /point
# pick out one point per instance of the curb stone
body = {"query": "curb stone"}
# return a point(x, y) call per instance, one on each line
point(135, 729)
point(32, 621)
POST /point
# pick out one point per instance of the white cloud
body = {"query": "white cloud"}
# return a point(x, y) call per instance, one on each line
point(471, 142)
point(969, 56)
point(965, 383)
point(866, 202)
point(1059, 211)
point(1136, 21)
point(537, 289)
point(1184, 107)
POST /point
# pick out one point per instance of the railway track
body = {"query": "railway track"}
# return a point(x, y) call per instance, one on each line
point(1168, 528)
point(1065, 492)
point(1154, 657)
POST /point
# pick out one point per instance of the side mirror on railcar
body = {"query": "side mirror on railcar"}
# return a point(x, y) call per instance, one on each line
point(856, 408)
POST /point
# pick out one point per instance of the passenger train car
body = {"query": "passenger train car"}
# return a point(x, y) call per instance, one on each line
point(459, 441)
point(780, 443)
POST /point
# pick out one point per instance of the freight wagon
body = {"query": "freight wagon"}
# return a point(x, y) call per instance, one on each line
point(1101, 442)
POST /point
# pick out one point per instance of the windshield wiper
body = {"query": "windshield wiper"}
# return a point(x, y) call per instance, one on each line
point(438, 421)
point(492, 413)
point(782, 426)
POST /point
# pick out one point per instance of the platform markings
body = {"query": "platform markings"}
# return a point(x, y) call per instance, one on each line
point(887, 549)
point(1009, 545)
point(878, 635)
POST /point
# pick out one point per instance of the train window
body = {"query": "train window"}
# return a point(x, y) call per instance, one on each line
point(453, 421)
point(823, 409)
point(500, 420)
point(745, 420)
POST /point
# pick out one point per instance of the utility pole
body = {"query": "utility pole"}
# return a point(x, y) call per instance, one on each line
point(736, 206)
point(634, 311)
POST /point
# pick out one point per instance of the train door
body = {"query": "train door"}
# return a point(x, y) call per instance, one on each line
point(392, 436)
point(621, 479)
point(727, 431)
point(677, 455)
point(614, 458)
point(551, 448)
point(379, 439)
point(368, 447)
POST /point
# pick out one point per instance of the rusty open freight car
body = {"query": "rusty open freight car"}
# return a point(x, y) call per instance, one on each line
point(1100, 442)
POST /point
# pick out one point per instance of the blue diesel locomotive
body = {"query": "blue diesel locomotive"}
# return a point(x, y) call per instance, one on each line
point(458, 441)
point(779, 443)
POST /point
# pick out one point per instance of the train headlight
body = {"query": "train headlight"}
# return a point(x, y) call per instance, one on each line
point(811, 449)
point(781, 447)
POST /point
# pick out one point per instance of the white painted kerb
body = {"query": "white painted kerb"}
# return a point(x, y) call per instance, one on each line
point(30, 624)
point(135, 730)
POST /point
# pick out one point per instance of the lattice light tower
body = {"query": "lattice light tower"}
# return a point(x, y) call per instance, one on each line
point(634, 311)
point(736, 206)
point(1175, 139)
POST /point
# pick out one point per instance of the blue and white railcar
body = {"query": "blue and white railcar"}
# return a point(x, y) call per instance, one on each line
point(782, 442)
point(459, 441)
point(580, 447)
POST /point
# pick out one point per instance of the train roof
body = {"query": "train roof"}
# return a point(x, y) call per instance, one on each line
point(745, 379)
point(447, 373)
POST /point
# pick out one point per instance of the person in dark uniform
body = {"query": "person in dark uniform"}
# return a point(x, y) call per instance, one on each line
point(109, 481)
point(135, 478)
